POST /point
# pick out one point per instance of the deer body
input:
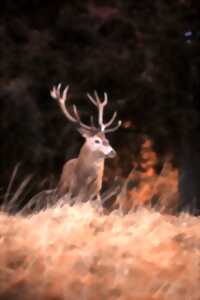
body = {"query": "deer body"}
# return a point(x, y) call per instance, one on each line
point(82, 177)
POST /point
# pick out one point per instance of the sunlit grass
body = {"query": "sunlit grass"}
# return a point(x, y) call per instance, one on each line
point(78, 252)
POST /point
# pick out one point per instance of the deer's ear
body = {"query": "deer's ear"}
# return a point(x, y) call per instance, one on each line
point(86, 133)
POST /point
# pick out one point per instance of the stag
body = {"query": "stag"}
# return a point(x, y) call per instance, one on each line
point(82, 177)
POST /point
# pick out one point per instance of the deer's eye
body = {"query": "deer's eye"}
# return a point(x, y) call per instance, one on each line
point(97, 141)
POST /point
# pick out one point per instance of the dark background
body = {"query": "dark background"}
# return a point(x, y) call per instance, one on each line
point(145, 54)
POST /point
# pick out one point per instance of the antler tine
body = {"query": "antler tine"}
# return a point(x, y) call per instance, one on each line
point(56, 94)
point(105, 99)
point(114, 128)
point(92, 122)
point(76, 113)
point(55, 91)
point(100, 106)
point(97, 97)
point(104, 126)
point(111, 120)
point(62, 97)
point(96, 101)
point(92, 99)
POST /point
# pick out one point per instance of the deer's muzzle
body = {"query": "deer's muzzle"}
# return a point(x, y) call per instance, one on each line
point(112, 153)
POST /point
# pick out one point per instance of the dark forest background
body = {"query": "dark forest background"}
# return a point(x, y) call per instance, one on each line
point(145, 54)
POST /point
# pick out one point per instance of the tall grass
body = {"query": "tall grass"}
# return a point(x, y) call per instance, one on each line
point(78, 252)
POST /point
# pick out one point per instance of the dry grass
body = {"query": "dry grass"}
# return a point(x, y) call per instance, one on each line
point(79, 253)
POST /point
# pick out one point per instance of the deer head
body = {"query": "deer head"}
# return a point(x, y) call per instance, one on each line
point(96, 142)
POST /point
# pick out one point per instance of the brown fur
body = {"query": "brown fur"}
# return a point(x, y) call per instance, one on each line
point(82, 176)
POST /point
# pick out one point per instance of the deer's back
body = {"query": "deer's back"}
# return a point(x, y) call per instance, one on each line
point(67, 177)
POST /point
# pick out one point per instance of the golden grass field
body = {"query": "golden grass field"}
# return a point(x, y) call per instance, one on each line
point(78, 252)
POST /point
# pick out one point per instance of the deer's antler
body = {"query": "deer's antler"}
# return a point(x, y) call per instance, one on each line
point(104, 127)
point(61, 97)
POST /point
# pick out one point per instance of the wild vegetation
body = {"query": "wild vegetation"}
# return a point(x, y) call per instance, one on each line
point(80, 253)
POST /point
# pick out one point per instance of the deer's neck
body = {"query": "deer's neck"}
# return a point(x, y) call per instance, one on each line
point(89, 160)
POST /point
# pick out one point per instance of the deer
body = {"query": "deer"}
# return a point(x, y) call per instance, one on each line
point(82, 177)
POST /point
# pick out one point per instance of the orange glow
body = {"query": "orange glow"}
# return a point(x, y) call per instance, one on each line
point(128, 124)
point(144, 186)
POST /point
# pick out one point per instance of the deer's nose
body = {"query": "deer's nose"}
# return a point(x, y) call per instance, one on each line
point(112, 153)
